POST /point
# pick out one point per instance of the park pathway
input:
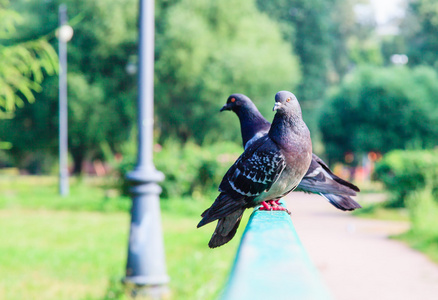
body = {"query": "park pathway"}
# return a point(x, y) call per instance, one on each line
point(356, 259)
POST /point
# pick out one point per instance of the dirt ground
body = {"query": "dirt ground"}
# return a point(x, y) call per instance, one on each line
point(355, 257)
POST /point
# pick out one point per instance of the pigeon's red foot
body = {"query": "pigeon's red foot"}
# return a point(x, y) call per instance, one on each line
point(273, 205)
point(265, 206)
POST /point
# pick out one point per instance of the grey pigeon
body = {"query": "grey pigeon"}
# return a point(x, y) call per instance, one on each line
point(268, 169)
point(319, 178)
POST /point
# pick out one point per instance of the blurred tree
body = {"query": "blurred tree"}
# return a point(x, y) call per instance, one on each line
point(33, 131)
point(330, 38)
point(354, 39)
point(101, 91)
point(206, 52)
point(419, 29)
point(344, 21)
point(378, 109)
point(392, 45)
point(307, 26)
point(364, 44)
point(23, 63)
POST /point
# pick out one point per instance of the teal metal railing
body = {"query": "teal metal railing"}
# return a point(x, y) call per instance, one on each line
point(272, 264)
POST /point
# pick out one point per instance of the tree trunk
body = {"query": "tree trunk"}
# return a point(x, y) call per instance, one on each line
point(78, 158)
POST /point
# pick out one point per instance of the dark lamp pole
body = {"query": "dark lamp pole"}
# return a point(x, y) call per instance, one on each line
point(146, 269)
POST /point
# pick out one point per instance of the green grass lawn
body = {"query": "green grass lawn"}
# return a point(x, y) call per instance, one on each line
point(427, 245)
point(75, 247)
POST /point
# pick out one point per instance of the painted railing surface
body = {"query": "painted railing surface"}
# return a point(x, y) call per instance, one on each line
point(272, 264)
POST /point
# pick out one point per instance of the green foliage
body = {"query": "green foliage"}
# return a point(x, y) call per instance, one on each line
point(195, 170)
point(365, 52)
point(191, 170)
point(380, 109)
point(34, 125)
point(204, 52)
point(423, 208)
point(101, 93)
point(86, 107)
point(419, 30)
point(207, 51)
point(327, 37)
point(24, 63)
point(307, 25)
point(405, 173)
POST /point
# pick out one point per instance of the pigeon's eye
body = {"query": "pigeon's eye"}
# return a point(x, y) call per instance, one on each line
point(288, 99)
point(233, 99)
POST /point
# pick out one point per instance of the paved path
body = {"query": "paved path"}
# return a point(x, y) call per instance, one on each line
point(356, 259)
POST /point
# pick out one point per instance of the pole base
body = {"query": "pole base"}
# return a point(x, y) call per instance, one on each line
point(145, 292)
point(146, 280)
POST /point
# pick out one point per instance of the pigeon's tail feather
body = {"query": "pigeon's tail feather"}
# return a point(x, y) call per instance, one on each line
point(226, 229)
point(345, 183)
point(341, 202)
point(223, 206)
point(204, 213)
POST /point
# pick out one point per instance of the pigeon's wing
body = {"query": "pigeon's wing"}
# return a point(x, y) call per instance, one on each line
point(256, 136)
point(259, 128)
point(336, 178)
point(319, 179)
point(255, 171)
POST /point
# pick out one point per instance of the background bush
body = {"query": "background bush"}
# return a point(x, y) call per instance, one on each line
point(423, 210)
point(406, 172)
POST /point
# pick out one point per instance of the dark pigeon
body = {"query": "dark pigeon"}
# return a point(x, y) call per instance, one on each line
point(252, 124)
point(268, 169)
point(319, 178)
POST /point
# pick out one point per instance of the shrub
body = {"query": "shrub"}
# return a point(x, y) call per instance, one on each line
point(423, 209)
point(406, 171)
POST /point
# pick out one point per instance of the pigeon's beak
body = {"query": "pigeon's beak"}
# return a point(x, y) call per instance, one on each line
point(225, 107)
point(277, 106)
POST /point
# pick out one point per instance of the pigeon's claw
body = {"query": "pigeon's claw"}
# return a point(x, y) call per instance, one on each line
point(271, 205)
point(265, 206)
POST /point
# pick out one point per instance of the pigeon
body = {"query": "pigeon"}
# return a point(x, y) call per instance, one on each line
point(268, 169)
point(252, 124)
point(319, 178)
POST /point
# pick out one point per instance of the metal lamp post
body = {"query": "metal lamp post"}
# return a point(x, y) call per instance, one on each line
point(146, 269)
point(65, 33)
